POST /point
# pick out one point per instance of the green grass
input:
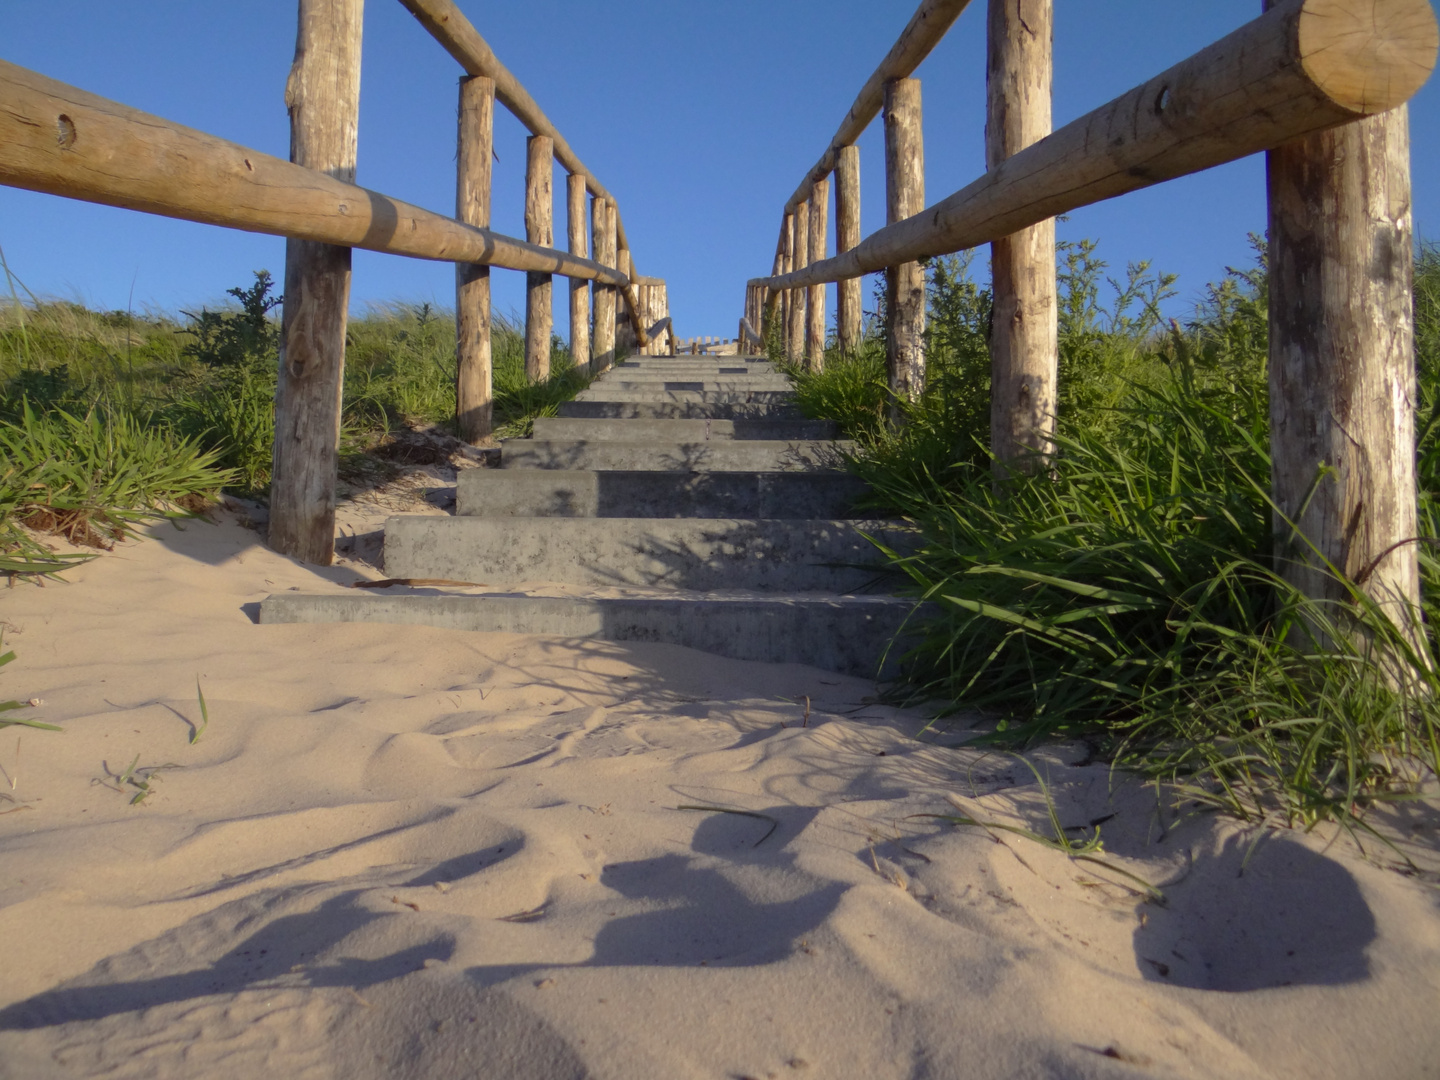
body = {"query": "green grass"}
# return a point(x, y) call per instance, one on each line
point(13, 706)
point(109, 418)
point(1126, 594)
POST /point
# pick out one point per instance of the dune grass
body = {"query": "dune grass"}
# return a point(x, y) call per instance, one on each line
point(109, 418)
point(1127, 594)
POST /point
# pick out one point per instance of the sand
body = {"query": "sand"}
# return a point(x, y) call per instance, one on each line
point(403, 852)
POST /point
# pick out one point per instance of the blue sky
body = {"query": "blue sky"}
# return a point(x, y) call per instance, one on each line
point(700, 117)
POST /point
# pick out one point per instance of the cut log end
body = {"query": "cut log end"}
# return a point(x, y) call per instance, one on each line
point(1368, 57)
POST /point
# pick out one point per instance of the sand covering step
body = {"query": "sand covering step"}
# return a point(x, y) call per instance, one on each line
point(831, 632)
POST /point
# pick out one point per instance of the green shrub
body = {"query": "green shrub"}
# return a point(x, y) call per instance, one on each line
point(1127, 594)
point(92, 479)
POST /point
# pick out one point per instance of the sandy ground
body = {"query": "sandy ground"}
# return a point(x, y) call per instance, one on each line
point(401, 852)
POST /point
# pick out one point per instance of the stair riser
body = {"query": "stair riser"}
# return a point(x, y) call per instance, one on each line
point(714, 456)
point(682, 383)
point(767, 556)
point(691, 365)
point(554, 428)
point(842, 636)
point(678, 410)
point(599, 392)
point(532, 493)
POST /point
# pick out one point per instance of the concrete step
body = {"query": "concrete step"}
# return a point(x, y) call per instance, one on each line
point(766, 555)
point(718, 455)
point(499, 493)
point(642, 409)
point(600, 392)
point(732, 384)
point(842, 634)
point(695, 371)
point(681, 431)
point(755, 367)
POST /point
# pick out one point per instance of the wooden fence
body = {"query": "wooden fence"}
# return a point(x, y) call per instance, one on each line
point(55, 138)
point(710, 346)
point(1321, 86)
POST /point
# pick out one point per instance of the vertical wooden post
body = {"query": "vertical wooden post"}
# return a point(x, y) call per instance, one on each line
point(1024, 337)
point(539, 229)
point(787, 264)
point(795, 340)
point(602, 230)
point(1342, 363)
point(904, 197)
point(847, 236)
point(625, 338)
point(473, 371)
point(815, 300)
point(579, 288)
point(323, 97)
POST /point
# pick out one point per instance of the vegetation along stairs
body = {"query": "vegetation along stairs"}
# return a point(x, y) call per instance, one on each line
point(675, 500)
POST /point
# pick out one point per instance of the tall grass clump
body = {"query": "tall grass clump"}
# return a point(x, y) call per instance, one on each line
point(208, 379)
point(400, 369)
point(1126, 593)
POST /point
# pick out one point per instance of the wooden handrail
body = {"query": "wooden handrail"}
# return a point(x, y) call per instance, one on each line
point(448, 25)
point(926, 27)
point(61, 140)
point(1303, 66)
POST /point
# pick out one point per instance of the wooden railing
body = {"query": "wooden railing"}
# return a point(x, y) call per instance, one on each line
point(1320, 85)
point(710, 346)
point(58, 139)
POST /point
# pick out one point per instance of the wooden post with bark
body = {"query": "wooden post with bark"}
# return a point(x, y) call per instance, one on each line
point(815, 299)
point(323, 97)
point(474, 398)
point(577, 222)
point(1024, 335)
point(847, 234)
point(785, 296)
point(1342, 364)
point(795, 332)
point(904, 197)
point(602, 230)
point(539, 229)
point(625, 336)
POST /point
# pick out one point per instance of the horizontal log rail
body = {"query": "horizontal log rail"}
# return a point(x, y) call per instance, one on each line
point(927, 26)
point(60, 140)
point(448, 25)
point(1289, 73)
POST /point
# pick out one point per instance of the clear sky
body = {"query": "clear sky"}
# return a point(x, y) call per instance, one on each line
point(701, 118)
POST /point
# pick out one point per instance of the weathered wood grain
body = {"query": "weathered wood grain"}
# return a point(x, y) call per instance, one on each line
point(1267, 83)
point(540, 231)
point(849, 312)
point(904, 196)
point(1342, 363)
point(577, 222)
point(323, 97)
point(921, 34)
point(123, 157)
point(1024, 336)
point(602, 233)
point(474, 369)
point(815, 297)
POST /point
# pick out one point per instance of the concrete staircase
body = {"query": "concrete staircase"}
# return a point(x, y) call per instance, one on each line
point(675, 500)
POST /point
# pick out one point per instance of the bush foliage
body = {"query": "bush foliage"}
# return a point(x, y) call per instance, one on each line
point(1126, 593)
point(107, 417)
